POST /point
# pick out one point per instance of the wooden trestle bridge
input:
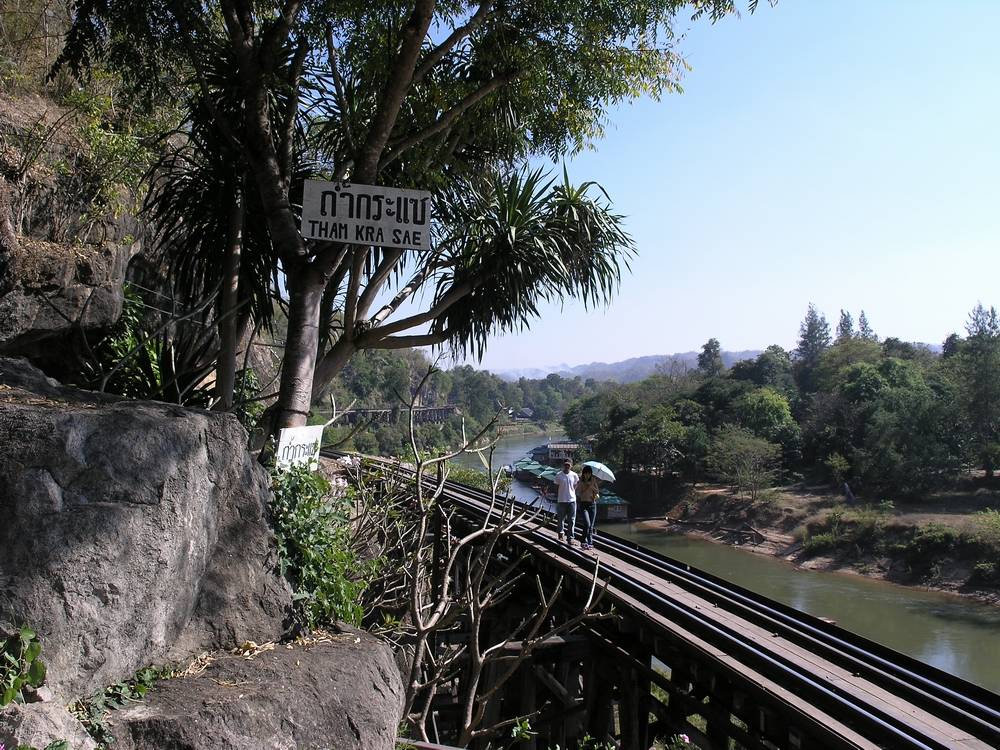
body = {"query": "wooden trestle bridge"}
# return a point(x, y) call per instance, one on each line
point(691, 653)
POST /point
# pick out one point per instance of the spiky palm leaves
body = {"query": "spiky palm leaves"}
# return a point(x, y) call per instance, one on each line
point(521, 239)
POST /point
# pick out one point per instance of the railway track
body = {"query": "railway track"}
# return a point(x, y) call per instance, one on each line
point(891, 699)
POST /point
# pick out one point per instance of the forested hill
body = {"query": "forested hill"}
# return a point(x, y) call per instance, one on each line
point(628, 370)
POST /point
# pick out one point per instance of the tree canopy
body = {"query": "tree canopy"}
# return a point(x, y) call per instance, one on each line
point(442, 96)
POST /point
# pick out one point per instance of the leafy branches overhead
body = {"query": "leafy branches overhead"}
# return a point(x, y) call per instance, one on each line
point(417, 94)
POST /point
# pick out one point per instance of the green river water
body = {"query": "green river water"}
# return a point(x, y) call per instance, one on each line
point(956, 634)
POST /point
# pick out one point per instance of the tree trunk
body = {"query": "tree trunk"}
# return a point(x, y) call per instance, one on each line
point(229, 334)
point(8, 240)
point(305, 296)
point(331, 364)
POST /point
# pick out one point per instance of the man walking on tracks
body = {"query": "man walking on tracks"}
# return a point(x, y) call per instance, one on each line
point(566, 482)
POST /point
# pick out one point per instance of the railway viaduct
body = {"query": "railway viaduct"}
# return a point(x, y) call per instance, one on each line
point(686, 652)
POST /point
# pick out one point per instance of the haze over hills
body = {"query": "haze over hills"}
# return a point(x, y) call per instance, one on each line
point(627, 370)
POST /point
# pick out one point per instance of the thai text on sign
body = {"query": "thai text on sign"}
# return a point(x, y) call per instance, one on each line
point(366, 214)
point(298, 445)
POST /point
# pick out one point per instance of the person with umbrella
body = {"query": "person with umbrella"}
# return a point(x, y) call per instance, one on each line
point(587, 491)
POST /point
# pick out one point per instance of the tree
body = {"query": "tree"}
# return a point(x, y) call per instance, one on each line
point(951, 346)
point(739, 458)
point(710, 359)
point(978, 364)
point(372, 96)
point(814, 338)
point(865, 332)
point(845, 328)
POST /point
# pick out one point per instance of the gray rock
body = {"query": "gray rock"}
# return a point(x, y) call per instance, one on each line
point(53, 292)
point(344, 694)
point(134, 532)
point(38, 724)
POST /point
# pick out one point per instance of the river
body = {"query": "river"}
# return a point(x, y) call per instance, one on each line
point(953, 633)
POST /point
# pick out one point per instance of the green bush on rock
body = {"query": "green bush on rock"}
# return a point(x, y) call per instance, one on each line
point(20, 666)
point(312, 526)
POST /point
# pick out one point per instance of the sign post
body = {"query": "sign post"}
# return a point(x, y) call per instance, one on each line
point(366, 214)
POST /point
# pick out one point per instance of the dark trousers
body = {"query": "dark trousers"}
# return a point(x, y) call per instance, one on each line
point(588, 519)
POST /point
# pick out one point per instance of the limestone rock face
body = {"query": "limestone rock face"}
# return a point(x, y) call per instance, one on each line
point(50, 293)
point(38, 724)
point(344, 693)
point(132, 532)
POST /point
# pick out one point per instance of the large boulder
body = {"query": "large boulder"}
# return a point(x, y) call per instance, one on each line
point(38, 724)
point(50, 294)
point(133, 532)
point(343, 692)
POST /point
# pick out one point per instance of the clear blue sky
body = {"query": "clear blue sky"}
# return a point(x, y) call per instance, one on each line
point(844, 153)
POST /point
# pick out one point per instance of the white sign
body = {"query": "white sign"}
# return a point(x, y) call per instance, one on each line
point(366, 214)
point(299, 445)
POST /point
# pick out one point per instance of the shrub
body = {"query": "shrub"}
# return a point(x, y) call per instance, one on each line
point(988, 529)
point(926, 545)
point(93, 713)
point(312, 527)
point(478, 479)
point(20, 667)
point(820, 543)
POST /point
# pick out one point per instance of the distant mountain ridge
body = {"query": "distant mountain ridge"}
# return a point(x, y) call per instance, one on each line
point(627, 370)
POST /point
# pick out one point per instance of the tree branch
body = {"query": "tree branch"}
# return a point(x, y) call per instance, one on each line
point(275, 37)
point(408, 342)
point(457, 292)
point(435, 55)
point(338, 83)
point(287, 147)
point(396, 87)
point(390, 259)
point(445, 121)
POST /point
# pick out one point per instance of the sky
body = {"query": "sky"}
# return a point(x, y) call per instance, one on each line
point(841, 153)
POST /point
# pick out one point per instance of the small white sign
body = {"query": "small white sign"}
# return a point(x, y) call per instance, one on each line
point(366, 214)
point(299, 445)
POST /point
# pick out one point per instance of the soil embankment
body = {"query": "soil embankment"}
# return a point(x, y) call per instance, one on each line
point(945, 546)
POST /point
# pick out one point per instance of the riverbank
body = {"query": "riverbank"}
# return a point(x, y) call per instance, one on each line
point(523, 429)
point(951, 548)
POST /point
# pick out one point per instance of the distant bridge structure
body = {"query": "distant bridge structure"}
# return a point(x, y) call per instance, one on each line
point(421, 415)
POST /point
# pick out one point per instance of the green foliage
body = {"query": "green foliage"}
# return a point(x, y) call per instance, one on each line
point(20, 666)
point(838, 467)
point(741, 459)
point(710, 359)
point(522, 239)
point(987, 531)
point(925, 545)
point(55, 745)
point(94, 712)
point(142, 358)
point(312, 526)
point(478, 479)
point(247, 388)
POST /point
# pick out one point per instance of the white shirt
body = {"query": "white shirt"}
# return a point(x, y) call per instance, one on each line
point(566, 485)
